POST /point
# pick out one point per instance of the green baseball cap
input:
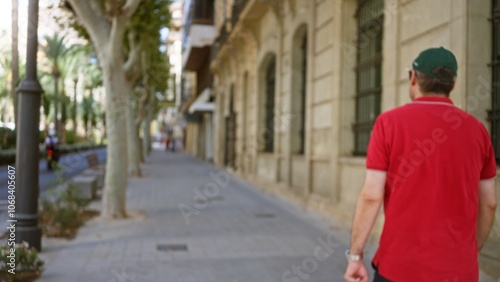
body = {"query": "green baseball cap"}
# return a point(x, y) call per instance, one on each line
point(432, 58)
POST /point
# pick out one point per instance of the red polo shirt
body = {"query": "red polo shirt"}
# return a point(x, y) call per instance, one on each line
point(434, 154)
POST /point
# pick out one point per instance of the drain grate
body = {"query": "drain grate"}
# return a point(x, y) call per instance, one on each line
point(264, 215)
point(201, 201)
point(172, 247)
point(208, 200)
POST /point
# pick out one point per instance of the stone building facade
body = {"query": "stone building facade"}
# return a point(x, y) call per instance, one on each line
point(298, 84)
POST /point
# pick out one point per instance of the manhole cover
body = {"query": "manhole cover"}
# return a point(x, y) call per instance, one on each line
point(172, 247)
point(264, 215)
point(201, 201)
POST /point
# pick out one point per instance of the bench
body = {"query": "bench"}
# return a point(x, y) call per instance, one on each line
point(87, 185)
point(98, 173)
point(92, 160)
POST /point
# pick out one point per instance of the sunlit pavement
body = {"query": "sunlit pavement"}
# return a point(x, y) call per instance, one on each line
point(190, 221)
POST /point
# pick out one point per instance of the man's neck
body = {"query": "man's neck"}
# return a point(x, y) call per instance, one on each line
point(430, 94)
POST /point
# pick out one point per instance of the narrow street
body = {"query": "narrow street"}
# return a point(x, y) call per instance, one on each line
point(71, 164)
point(190, 221)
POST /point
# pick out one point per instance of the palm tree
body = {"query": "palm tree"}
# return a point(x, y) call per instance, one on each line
point(74, 59)
point(87, 111)
point(15, 57)
point(5, 65)
point(47, 97)
point(55, 49)
point(93, 80)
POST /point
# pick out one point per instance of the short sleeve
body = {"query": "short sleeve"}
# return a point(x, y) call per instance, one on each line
point(378, 153)
point(489, 169)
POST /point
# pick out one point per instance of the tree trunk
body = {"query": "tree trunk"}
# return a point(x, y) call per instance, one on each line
point(62, 124)
point(117, 101)
point(147, 127)
point(139, 143)
point(141, 105)
point(103, 127)
point(15, 57)
point(56, 104)
point(107, 35)
point(134, 168)
point(75, 107)
point(86, 127)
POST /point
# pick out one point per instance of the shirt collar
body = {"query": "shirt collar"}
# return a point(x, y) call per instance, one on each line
point(433, 99)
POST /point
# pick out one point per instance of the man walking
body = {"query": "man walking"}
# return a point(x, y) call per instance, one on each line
point(433, 167)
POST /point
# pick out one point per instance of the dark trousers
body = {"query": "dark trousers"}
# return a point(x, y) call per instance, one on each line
point(378, 277)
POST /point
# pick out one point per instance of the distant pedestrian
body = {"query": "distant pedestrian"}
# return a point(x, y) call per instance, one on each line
point(432, 165)
point(170, 142)
point(178, 137)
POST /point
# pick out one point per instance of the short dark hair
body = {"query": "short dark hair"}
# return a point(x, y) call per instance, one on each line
point(429, 84)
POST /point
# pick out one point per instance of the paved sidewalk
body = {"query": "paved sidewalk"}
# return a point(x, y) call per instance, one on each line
point(233, 232)
point(192, 222)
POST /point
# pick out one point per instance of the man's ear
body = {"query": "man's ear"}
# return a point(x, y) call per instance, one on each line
point(413, 79)
point(453, 87)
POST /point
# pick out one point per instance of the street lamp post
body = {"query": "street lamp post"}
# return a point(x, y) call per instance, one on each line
point(28, 136)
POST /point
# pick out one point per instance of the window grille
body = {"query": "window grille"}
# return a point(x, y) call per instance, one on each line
point(494, 114)
point(370, 17)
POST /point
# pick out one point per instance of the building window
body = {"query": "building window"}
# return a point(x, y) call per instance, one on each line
point(299, 89)
point(204, 9)
point(244, 112)
point(370, 16)
point(230, 150)
point(269, 95)
point(494, 114)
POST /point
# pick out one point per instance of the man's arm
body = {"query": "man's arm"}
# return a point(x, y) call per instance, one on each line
point(486, 213)
point(369, 202)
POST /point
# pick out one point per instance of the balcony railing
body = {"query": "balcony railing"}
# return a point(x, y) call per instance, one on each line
point(238, 7)
point(223, 34)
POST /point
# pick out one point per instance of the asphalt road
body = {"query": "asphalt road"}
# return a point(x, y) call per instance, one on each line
point(70, 165)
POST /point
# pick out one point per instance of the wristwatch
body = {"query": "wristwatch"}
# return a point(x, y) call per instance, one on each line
point(351, 257)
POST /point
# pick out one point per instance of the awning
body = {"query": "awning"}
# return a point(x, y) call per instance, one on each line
point(202, 104)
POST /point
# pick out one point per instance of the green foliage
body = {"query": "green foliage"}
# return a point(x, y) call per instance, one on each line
point(67, 20)
point(87, 110)
point(54, 49)
point(158, 73)
point(150, 17)
point(61, 211)
point(75, 59)
point(72, 195)
point(5, 73)
point(72, 138)
point(26, 258)
point(93, 75)
point(65, 101)
point(43, 134)
point(7, 138)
